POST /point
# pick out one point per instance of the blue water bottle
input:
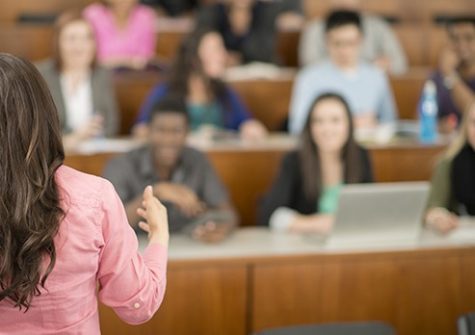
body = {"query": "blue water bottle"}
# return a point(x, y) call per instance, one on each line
point(428, 114)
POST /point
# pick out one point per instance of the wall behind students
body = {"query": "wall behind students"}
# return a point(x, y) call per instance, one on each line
point(408, 10)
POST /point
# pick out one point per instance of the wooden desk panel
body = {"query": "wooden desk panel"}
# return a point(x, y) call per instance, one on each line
point(168, 43)
point(199, 300)
point(468, 274)
point(258, 279)
point(414, 163)
point(416, 293)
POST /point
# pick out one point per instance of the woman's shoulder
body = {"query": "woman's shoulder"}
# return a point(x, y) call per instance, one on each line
point(80, 188)
point(96, 11)
point(46, 66)
point(144, 13)
point(444, 163)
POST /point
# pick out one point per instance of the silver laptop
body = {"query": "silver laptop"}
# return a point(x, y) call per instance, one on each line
point(369, 213)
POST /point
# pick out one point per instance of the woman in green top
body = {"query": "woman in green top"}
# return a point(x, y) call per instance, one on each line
point(453, 183)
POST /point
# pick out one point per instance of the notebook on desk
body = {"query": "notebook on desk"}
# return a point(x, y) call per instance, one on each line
point(379, 213)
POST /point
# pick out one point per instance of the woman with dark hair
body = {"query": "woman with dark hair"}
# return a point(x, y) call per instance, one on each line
point(453, 183)
point(249, 27)
point(196, 77)
point(125, 32)
point(305, 194)
point(82, 91)
point(64, 236)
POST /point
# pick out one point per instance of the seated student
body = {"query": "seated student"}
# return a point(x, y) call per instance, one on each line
point(363, 85)
point(125, 32)
point(305, 193)
point(196, 77)
point(453, 183)
point(248, 28)
point(182, 178)
point(455, 78)
point(380, 45)
point(82, 91)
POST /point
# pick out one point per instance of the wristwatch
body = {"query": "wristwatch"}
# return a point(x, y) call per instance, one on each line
point(450, 80)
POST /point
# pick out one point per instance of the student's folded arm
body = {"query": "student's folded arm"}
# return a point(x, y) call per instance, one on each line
point(132, 284)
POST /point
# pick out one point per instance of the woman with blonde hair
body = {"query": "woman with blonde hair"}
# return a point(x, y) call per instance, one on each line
point(453, 183)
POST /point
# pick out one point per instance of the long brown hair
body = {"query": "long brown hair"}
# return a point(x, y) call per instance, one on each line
point(187, 62)
point(310, 158)
point(30, 152)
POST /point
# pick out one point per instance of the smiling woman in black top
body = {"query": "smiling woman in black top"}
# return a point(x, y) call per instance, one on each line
point(305, 194)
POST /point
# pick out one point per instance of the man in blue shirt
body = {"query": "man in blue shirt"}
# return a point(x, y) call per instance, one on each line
point(363, 85)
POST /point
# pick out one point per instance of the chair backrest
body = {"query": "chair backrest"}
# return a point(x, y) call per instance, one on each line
point(466, 324)
point(363, 328)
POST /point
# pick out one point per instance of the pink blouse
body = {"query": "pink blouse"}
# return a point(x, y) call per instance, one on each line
point(137, 39)
point(96, 259)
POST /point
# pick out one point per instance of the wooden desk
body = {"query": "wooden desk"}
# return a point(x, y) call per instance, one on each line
point(248, 169)
point(258, 279)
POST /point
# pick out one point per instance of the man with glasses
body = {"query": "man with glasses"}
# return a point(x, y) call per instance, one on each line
point(362, 84)
point(455, 77)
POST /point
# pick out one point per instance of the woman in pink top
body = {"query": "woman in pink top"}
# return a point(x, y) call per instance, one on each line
point(125, 32)
point(64, 238)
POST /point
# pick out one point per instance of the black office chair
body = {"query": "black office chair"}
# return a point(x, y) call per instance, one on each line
point(466, 324)
point(363, 328)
